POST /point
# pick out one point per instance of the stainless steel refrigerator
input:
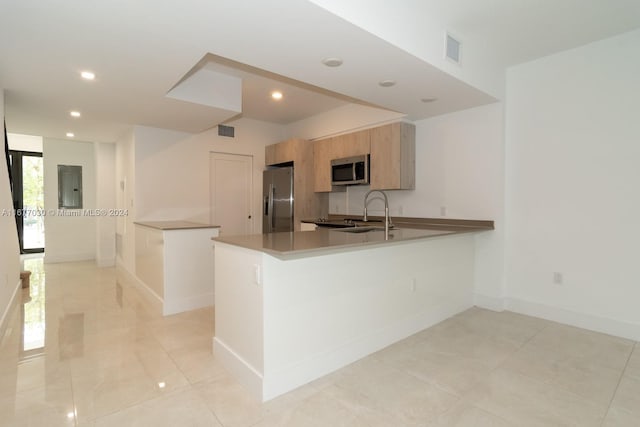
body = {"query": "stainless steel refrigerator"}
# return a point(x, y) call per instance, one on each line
point(277, 200)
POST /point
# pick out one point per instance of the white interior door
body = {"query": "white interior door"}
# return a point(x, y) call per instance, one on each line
point(230, 180)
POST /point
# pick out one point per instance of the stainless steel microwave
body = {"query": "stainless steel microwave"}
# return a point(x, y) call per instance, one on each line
point(350, 170)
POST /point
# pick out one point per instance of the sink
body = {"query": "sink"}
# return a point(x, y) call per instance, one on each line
point(346, 222)
point(360, 229)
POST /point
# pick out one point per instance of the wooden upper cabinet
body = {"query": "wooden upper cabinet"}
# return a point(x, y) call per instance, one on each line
point(282, 152)
point(393, 157)
point(322, 156)
point(338, 147)
point(351, 144)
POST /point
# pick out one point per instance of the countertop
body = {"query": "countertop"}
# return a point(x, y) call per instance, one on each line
point(298, 244)
point(409, 222)
point(174, 225)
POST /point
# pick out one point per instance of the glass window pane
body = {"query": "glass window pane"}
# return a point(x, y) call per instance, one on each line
point(33, 202)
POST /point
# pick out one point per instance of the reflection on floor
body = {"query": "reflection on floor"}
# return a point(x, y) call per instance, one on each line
point(33, 310)
point(86, 350)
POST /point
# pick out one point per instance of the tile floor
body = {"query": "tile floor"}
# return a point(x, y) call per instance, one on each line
point(84, 349)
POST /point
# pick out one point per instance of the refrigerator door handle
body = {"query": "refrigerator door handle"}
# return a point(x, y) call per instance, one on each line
point(273, 213)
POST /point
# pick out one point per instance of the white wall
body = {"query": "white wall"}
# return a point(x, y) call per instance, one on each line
point(573, 204)
point(162, 163)
point(166, 175)
point(125, 186)
point(459, 174)
point(459, 167)
point(69, 238)
point(348, 118)
point(172, 169)
point(22, 142)
point(9, 248)
point(419, 27)
point(105, 160)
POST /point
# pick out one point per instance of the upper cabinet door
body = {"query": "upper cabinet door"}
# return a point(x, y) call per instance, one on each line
point(322, 156)
point(283, 152)
point(338, 147)
point(351, 144)
point(393, 157)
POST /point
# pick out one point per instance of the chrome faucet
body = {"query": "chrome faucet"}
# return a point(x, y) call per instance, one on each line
point(387, 221)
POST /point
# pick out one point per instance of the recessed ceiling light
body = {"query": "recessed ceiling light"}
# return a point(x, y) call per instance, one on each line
point(87, 75)
point(70, 134)
point(276, 95)
point(75, 113)
point(387, 83)
point(427, 100)
point(332, 62)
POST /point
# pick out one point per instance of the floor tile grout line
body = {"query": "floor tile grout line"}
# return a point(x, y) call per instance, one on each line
point(133, 405)
point(73, 398)
point(458, 398)
point(502, 365)
point(42, 277)
point(511, 351)
point(519, 349)
point(615, 392)
point(569, 391)
point(360, 395)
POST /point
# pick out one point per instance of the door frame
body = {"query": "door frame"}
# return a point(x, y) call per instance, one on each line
point(18, 195)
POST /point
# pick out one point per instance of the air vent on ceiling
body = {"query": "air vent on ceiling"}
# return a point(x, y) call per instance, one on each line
point(226, 131)
point(452, 49)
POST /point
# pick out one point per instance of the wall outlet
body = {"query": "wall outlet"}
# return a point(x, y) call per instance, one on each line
point(443, 211)
point(557, 278)
point(413, 284)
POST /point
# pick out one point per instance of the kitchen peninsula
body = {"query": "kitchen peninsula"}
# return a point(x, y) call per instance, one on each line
point(294, 306)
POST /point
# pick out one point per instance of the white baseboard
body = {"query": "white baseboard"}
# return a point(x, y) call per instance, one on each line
point(243, 372)
point(269, 385)
point(153, 298)
point(7, 310)
point(588, 321)
point(166, 307)
point(592, 322)
point(316, 366)
point(106, 262)
point(55, 258)
point(489, 302)
point(187, 303)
